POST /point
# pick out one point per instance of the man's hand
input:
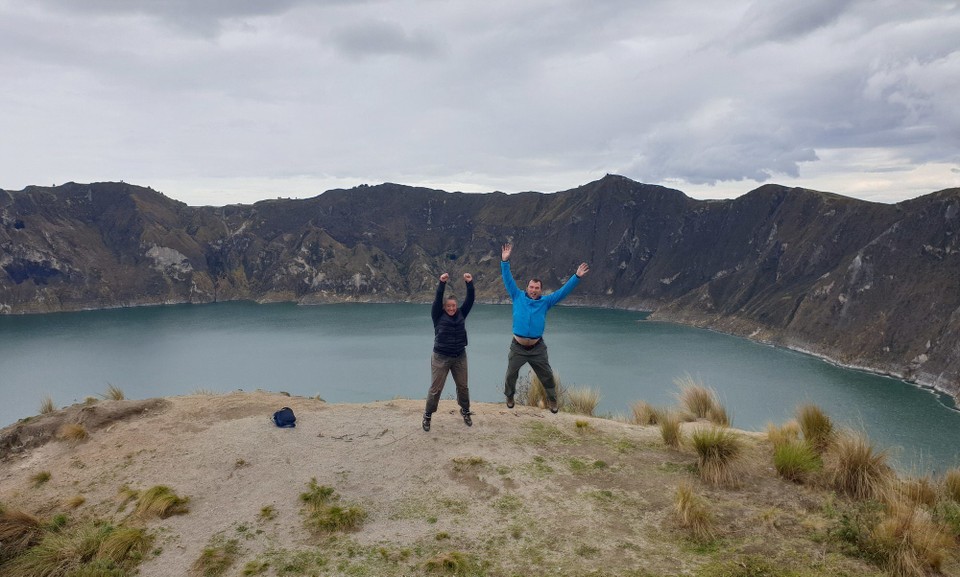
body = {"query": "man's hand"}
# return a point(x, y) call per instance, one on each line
point(505, 253)
point(582, 269)
point(444, 277)
point(467, 277)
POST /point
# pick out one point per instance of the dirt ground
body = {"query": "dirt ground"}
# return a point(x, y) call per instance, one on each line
point(521, 492)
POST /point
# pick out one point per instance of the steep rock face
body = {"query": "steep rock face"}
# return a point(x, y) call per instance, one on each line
point(865, 284)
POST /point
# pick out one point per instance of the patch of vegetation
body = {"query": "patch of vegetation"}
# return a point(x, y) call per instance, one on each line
point(789, 431)
point(508, 504)
point(693, 514)
point(670, 430)
point(717, 450)
point(461, 464)
point(160, 501)
point(216, 558)
point(40, 478)
point(323, 514)
point(583, 401)
point(75, 501)
point(114, 393)
point(541, 434)
point(90, 548)
point(643, 413)
point(46, 405)
point(857, 469)
point(696, 398)
point(539, 467)
point(951, 484)
point(455, 563)
point(816, 426)
point(582, 425)
point(72, 432)
point(795, 460)
point(268, 513)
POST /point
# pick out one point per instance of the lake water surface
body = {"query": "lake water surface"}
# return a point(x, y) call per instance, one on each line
point(364, 352)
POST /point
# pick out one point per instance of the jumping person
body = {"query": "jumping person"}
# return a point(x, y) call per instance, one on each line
point(449, 349)
point(529, 320)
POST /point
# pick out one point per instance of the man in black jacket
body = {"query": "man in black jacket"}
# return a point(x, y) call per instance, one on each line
point(449, 349)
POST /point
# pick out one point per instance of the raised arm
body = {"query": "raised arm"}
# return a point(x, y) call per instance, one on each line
point(468, 302)
point(437, 309)
point(568, 286)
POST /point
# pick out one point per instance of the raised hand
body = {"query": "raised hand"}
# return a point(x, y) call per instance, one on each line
point(467, 277)
point(582, 269)
point(505, 253)
point(444, 277)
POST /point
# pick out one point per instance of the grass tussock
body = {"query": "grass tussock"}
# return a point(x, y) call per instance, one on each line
point(918, 491)
point(786, 433)
point(160, 501)
point(696, 398)
point(910, 543)
point(40, 478)
point(951, 484)
point(216, 558)
point(645, 414)
point(89, 549)
point(114, 393)
point(530, 391)
point(718, 415)
point(72, 433)
point(18, 532)
point(795, 460)
point(583, 401)
point(75, 501)
point(693, 514)
point(857, 469)
point(323, 513)
point(718, 450)
point(453, 563)
point(816, 426)
point(46, 405)
point(670, 430)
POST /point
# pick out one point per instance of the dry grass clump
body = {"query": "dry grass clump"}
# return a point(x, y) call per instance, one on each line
point(40, 478)
point(718, 415)
point(816, 426)
point(216, 558)
point(693, 514)
point(583, 401)
point(951, 484)
point(788, 432)
point(857, 469)
point(670, 430)
point(645, 414)
point(695, 397)
point(46, 405)
point(18, 532)
point(717, 451)
point(72, 432)
point(75, 501)
point(909, 542)
point(530, 391)
point(89, 549)
point(324, 515)
point(160, 501)
point(795, 460)
point(918, 491)
point(114, 393)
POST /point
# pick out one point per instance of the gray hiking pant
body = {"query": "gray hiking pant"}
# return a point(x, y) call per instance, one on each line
point(440, 366)
point(536, 356)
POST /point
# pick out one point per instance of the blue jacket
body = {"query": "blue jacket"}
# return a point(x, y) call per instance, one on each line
point(530, 315)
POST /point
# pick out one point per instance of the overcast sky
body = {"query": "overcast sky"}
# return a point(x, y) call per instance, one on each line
point(227, 101)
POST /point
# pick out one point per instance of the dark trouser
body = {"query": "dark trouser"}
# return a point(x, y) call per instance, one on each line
point(440, 365)
point(537, 357)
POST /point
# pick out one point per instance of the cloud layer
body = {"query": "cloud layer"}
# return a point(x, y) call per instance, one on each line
point(223, 101)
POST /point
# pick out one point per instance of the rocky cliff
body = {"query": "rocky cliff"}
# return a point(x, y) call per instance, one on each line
point(869, 285)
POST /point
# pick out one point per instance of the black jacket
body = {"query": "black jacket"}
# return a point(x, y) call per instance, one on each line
point(450, 332)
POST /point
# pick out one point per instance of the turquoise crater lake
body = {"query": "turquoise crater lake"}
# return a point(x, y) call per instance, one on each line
point(364, 352)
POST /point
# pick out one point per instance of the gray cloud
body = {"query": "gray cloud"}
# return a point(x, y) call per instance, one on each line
point(505, 95)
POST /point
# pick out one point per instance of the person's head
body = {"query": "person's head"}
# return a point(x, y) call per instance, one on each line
point(450, 306)
point(534, 288)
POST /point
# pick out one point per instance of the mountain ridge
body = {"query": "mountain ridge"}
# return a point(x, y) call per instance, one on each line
point(863, 284)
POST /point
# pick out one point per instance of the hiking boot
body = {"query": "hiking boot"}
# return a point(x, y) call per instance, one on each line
point(426, 422)
point(466, 418)
point(553, 406)
point(510, 402)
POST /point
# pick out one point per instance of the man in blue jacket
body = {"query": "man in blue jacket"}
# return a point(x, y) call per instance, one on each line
point(529, 320)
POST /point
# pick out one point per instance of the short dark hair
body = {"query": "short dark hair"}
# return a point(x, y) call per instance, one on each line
point(536, 280)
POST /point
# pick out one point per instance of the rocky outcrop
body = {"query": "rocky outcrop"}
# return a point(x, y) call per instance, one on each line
point(865, 284)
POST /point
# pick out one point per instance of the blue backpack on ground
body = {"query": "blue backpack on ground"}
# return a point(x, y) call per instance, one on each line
point(285, 418)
